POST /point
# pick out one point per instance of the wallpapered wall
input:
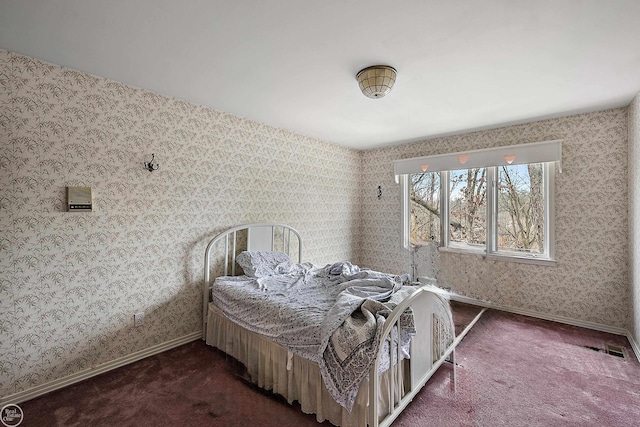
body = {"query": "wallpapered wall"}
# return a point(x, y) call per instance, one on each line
point(71, 282)
point(634, 217)
point(589, 281)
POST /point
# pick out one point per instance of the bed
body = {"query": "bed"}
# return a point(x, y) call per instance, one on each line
point(350, 345)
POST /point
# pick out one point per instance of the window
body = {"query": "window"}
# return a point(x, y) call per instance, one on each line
point(503, 211)
point(467, 199)
point(425, 208)
point(520, 209)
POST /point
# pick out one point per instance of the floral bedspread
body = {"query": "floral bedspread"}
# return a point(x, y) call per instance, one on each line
point(332, 315)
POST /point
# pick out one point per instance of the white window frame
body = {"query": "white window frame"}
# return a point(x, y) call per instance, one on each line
point(490, 251)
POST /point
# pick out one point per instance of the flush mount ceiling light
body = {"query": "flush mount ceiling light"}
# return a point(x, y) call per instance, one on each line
point(376, 81)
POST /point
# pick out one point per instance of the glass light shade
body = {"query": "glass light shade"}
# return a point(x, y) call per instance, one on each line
point(462, 158)
point(377, 81)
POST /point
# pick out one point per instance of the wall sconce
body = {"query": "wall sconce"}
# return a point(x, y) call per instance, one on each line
point(150, 166)
point(462, 158)
point(424, 167)
point(509, 158)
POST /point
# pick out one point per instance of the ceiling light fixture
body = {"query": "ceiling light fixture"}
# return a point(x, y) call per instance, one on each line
point(376, 81)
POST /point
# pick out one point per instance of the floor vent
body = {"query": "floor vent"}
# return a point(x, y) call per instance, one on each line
point(615, 350)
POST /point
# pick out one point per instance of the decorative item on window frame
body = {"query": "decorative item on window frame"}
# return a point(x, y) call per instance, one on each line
point(150, 166)
point(376, 81)
point(509, 158)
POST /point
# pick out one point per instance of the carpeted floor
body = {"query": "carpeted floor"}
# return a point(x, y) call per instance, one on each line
point(519, 371)
point(512, 370)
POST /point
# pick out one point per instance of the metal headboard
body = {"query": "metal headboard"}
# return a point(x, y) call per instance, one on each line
point(251, 237)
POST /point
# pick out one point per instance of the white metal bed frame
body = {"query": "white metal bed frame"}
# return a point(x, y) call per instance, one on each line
point(262, 236)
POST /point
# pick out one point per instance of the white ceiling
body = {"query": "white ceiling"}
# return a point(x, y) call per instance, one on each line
point(462, 64)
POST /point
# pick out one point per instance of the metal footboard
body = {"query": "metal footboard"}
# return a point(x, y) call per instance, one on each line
point(423, 363)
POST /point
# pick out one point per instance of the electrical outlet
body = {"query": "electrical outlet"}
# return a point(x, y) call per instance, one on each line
point(138, 319)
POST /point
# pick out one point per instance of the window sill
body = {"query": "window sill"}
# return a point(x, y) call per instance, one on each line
point(499, 257)
point(522, 259)
point(457, 250)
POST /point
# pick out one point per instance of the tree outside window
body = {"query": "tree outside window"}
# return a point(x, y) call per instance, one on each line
point(508, 219)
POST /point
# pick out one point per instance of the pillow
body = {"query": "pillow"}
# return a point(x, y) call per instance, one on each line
point(259, 263)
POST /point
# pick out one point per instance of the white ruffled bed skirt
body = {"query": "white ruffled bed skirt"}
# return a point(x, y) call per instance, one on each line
point(272, 367)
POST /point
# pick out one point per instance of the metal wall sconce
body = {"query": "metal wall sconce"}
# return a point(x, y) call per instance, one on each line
point(150, 166)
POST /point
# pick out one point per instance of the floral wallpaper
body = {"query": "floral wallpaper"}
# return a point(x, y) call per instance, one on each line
point(589, 281)
point(634, 217)
point(71, 282)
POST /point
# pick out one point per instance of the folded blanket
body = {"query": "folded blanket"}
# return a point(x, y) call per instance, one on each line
point(352, 329)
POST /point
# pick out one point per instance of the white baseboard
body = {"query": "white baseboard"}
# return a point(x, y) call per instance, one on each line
point(98, 369)
point(545, 316)
point(634, 345)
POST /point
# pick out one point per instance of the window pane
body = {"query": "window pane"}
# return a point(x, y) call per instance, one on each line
point(521, 208)
point(425, 208)
point(467, 206)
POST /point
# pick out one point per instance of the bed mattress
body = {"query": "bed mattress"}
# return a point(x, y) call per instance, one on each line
point(288, 309)
point(271, 367)
point(300, 309)
point(332, 316)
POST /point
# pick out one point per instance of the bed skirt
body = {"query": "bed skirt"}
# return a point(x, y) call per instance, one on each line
point(271, 367)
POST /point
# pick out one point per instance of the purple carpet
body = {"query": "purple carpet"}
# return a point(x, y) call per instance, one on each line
point(513, 371)
point(519, 371)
